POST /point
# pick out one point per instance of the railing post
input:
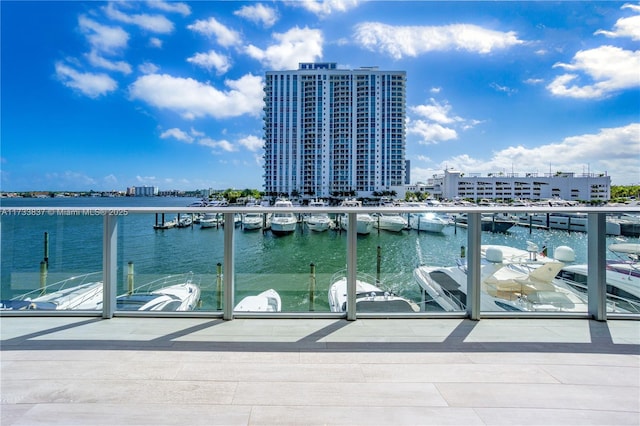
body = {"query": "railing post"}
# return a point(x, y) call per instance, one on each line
point(228, 272)
point(109, 265)
point(474, 240)
point(352, 265)
point(597, 267)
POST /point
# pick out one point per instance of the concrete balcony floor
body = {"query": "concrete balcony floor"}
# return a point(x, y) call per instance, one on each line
point(194, 371)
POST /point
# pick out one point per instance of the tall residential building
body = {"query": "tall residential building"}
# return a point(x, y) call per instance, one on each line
point(334, 132)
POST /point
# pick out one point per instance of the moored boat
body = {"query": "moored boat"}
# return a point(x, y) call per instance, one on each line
point(369, 297)
point(267, 301)
point(283, 222)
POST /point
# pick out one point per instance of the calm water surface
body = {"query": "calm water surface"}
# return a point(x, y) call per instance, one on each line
point(263, 260)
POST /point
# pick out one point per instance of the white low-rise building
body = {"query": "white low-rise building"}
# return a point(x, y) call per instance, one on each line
point(511, 186)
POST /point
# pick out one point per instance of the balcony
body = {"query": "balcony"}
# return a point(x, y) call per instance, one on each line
point(43, 245)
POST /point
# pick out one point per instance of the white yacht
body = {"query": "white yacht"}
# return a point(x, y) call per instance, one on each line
point(369, 297)
point(317, 221)
point(365, 222)
point(283, 223)
point(167, 294)
point(210, 220)
point(622, 277)
point(392, 222)
point(267, 301)
point(82, 292)
point(427, 222)
point(511, 280)
point(252, 221)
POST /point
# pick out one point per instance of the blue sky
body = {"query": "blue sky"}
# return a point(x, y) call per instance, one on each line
point(106, 95)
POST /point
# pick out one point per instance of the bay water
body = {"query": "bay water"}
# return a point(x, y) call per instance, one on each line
point(262, 260)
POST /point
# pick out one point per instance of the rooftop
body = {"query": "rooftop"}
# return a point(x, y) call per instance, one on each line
point(152, 371)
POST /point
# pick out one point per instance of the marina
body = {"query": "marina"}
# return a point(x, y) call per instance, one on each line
point(263, 260)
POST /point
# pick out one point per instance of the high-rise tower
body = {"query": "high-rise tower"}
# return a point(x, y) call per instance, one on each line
point(334, 132)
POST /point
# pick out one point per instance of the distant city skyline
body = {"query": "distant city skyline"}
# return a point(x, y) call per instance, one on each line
point(108, 95)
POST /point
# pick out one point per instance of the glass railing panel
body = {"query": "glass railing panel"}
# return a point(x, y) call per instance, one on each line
point(440, 258)
point(51, 260)
point(286, 264)
point(166, 262)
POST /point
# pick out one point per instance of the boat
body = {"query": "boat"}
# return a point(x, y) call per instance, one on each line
point(365, 222)
point(283, 222)
point(316, 221)
point(165, 224)
point(267, 301)
point(427, 222)
point(511, 280)
point(185, 221)
point(488, 222)
point(168, 294)
point(369, 297)
point(82, 292)
point(622, 277)
point(252, 221)
point(210, 220)
point(392, 222)
point(575, 222)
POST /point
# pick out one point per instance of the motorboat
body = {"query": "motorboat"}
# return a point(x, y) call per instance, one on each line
point(427, 222)
point(369, 297)
point(283, 222)
point(566, 221)
point(392, 222)
point(252, 221)
point(316, 221)
point(622, 277)
point(511, 280)
point(210, 220)
point(267, 301)
point(364, 221)
point(185, 221)
point(168, 294)
point(166, 224)
point(488, 222)
point(82, 292)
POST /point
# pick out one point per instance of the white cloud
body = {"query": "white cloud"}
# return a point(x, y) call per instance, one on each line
point(212, 28)
point(97, 60)
point(534, 81)
point(326, 7)
point(191, 98)
point(221, 144)
point(176, 134)
point(431, 133)
point(181, 8)
point(152, 23)
point(90, 84)
point(504, 89)
point(147, 180)
point(604, 151)
point(210, 60)
point(252, 143)
point(295, 46)
point(69, 179)
point(436, 112)
point(435, 123)
point(402, 41)
point(101, 37)
point(259, 14)
point(625, 27)
point(148, 68)
point(608, 68)
point(155, 42)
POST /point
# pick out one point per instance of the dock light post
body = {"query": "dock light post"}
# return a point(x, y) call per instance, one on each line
point(219, 285)
point(130, 284)
point(312, 287)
